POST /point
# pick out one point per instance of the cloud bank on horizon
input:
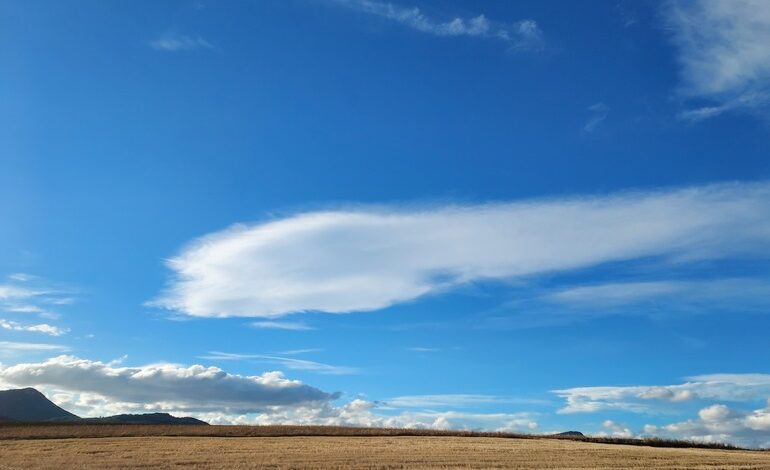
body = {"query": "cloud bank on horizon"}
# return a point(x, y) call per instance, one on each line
point(363, 259)
point(166, 386)
point(95, 388)
point(715, 422)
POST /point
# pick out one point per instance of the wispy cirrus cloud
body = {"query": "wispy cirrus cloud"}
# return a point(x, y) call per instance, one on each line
point(423, 349)
point(744, 294)
point(175, 42)
point(724, 54)
point(39, 328)
point(294, 352)
point(455, 401)
point(598, 113)
point(287, 362)
point(25, 293)
point(520, 35)
point(13, 348)
point(281, 325)
point(368, 258)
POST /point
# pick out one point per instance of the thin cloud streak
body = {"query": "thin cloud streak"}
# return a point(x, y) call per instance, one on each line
point(599, 112)
point(284, 325)
point(41, 328)
point(287, 362)
point(172, 42)
point(521, 35)
point(745, 294)
point(11, 347)
point(455, 401)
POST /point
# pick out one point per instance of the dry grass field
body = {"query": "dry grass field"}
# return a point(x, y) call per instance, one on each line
point(156, 447)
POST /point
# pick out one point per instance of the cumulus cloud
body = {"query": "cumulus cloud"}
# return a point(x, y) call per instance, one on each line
point(93, 388)
point(174, 42)
point(614, 429)
point(41, 328)
point(362, 413)
point(642, 398)
point(168, 387)
point(720, 423)
point(364, 259)
point(724, 53)
point(522, 35)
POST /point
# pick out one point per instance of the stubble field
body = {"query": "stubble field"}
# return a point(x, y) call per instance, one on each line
point(136, 447)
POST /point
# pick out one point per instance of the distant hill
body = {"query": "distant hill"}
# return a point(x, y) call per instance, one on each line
point(149, 418)
point(27, 405)
point(570, 434)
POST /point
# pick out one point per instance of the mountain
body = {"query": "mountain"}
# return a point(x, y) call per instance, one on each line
point(149, 418)
point(29, 405)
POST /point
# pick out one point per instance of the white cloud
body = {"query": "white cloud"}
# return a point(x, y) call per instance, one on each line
point(698, 295)
point(25, 293)
point(287, 362)
point(522, 35)
point(599, 112)
point(41, 328)
point(173, 42)
point(366, 414)
point(12, 348)
point(423, 349)
point(615, 430)
point(92, 388)
point(282, 325)
point(724, 53)
point(167, 387)
point(643, 398)
point(720, 423)
point(364, 259)
point(452, 401)
point(11, 292)
point(293, 352)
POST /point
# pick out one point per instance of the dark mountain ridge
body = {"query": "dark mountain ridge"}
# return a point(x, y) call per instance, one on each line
point(148, 418)
point(28, 405)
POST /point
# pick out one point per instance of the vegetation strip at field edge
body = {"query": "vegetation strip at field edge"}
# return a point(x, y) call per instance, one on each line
point(16, 431)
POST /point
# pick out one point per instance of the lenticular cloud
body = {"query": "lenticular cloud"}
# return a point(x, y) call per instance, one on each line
point(363, 259)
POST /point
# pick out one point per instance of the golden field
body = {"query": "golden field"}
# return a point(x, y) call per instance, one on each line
point(21, 447)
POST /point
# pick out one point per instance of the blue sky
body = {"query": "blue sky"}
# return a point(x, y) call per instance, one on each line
point(528, 216)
